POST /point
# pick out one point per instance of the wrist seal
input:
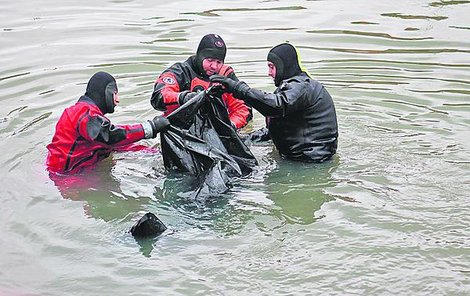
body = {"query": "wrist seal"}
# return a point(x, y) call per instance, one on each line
point(148, 129)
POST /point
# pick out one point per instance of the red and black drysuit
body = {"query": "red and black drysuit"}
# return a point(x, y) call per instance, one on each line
point(184, 77)
point(84, 136)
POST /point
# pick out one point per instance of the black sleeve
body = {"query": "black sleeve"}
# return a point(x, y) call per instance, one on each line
point(233, 76)
point(100, 129)
point(288, 99)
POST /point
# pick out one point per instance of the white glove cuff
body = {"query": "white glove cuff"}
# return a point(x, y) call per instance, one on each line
point(148, 130)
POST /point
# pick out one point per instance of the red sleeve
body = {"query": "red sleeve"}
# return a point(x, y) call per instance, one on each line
point(238, 111)
point(170, 89)
point(166, 92)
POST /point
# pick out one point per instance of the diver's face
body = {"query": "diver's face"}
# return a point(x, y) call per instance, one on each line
point(212, 66)
point(271, 70)
point(116, 98)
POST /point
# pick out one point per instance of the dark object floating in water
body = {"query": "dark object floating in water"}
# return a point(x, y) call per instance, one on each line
point(148, 225)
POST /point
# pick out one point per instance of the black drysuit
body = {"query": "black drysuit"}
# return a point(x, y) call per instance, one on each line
point(301, 118)
point(300, 114)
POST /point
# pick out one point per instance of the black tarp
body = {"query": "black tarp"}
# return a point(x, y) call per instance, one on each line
point(202, 142)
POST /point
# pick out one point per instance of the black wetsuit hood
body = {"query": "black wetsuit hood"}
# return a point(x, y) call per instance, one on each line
point(284, 57)
point(211, 46)
point(100, 89)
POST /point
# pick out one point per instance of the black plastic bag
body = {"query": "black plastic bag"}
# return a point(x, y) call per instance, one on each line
point(202, 142)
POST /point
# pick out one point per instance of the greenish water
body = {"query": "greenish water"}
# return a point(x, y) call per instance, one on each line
point(388, 216)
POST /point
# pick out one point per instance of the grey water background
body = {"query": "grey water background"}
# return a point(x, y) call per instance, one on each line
point(389, 215)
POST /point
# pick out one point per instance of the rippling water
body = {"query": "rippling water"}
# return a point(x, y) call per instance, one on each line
point(389, 215)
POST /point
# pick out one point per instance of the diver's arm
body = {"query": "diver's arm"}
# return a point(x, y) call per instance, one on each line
point(168, 89)
point(286, 100)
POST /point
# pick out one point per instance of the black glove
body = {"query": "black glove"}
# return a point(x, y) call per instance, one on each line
point(237, 88)
point(216, 91)
point(154, 126)
point(185, 96)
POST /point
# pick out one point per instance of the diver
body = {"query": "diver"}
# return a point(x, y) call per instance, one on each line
point(183, 80)
point(84, 136)
point(300, 114)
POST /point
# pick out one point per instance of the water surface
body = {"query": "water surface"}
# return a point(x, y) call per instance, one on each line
point(388, 215)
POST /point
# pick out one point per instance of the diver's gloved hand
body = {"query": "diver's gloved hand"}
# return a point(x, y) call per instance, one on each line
point(156, 125)
point(185, 96)
point(216, 91)
point(237, 88)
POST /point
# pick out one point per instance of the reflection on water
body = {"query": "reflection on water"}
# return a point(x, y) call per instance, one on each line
point(298, 190)
point(396, 195)
point(100, 192)
point(415, 17)
point(448, 2)
point(208, 213)
point(213, 12)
